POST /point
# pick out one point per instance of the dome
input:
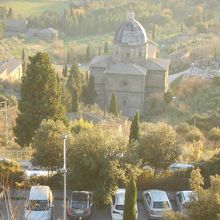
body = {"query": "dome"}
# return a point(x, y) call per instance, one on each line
point(131, 32)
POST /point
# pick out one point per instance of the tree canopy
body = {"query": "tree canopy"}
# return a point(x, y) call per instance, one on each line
point(97, 153)
point(40, 98)
point(48, 144)
point(158, 146)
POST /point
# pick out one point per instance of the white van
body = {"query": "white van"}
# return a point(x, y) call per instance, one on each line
point(39, 204)
point(117, 205)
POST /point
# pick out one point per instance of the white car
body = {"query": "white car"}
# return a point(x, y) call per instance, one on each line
point(156, 202)
point(183, 198)
point(180, 166)
point(117, 205)
point(39, 204)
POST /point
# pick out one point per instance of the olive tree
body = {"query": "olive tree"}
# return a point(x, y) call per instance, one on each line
point(48, 144)
point(158, 146)
point(95, 163)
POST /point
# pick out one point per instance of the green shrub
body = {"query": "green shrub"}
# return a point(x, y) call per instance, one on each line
point(170, 181)
point(10, 174)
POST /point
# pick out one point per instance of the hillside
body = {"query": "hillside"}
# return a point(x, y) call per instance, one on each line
point(26, 8)
point(197, 101)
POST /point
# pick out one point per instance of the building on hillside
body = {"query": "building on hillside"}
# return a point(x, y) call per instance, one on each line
point(11, 70)
point(133, 71)
point(48, 34)
point(13, 27)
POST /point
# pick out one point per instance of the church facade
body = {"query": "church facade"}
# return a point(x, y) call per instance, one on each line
point(133, 71)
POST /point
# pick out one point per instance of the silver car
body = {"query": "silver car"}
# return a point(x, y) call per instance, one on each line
point(156, 202)
point(183, 198)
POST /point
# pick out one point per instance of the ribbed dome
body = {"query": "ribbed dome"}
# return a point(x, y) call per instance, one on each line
point(131, 32)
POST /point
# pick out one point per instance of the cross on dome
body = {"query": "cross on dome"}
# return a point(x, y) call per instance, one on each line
point(131, 16)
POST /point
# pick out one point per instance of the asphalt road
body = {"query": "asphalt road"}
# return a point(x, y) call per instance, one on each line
point(18, 210)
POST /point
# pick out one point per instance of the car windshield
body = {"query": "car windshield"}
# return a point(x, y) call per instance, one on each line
point(79, 204)
point(38, 205)
point(119, 207)
point(161, 205)
point(79, 196)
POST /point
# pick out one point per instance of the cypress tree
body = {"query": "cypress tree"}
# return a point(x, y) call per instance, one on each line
point(130, 200)
point(75, 100)
point(74, 85)
point(113, 105)
point(40, 98)
point(100, 51)
point(87, 53)
point(135, 128)
point(23, 55)
point(65, 71)
point(10, 13)
point(68, 57)
point(77, 75)
point(154, 32)
point(90, 93)
point(24, 62)
point(106, 48)
point(168, 97)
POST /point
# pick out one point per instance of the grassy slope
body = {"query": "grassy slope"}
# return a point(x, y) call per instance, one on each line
point(35, 7)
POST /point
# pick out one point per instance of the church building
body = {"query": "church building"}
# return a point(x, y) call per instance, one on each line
point(133, 71)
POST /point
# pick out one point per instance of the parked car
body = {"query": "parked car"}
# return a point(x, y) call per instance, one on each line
point(80, 205)
point(5, 160)
point(156, 202)
point(117, 205)
point(39, 205)
point(183, 198)
point(180, 166)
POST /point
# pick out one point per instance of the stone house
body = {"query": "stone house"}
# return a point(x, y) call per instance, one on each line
point(11, 70)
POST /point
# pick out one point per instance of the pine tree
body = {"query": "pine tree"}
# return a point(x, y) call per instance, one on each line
point(88, 53)
point(135, 128)
point(130, 200)
point(106, 48)
point(65, 71)
point(40, 99)
point(90, 93)
point(113, 105)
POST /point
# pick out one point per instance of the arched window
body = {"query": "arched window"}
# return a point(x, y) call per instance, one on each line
point(128, 54)
point(124, 102)
point(140, 54)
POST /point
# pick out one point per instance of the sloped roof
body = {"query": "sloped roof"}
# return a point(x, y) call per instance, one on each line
point(156, 64)
point(126, 69)
point(9, 65)
point(48, 31)
point(101, 61)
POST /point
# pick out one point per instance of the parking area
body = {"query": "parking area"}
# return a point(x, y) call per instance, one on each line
point(17, 207)
point(18, 210)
